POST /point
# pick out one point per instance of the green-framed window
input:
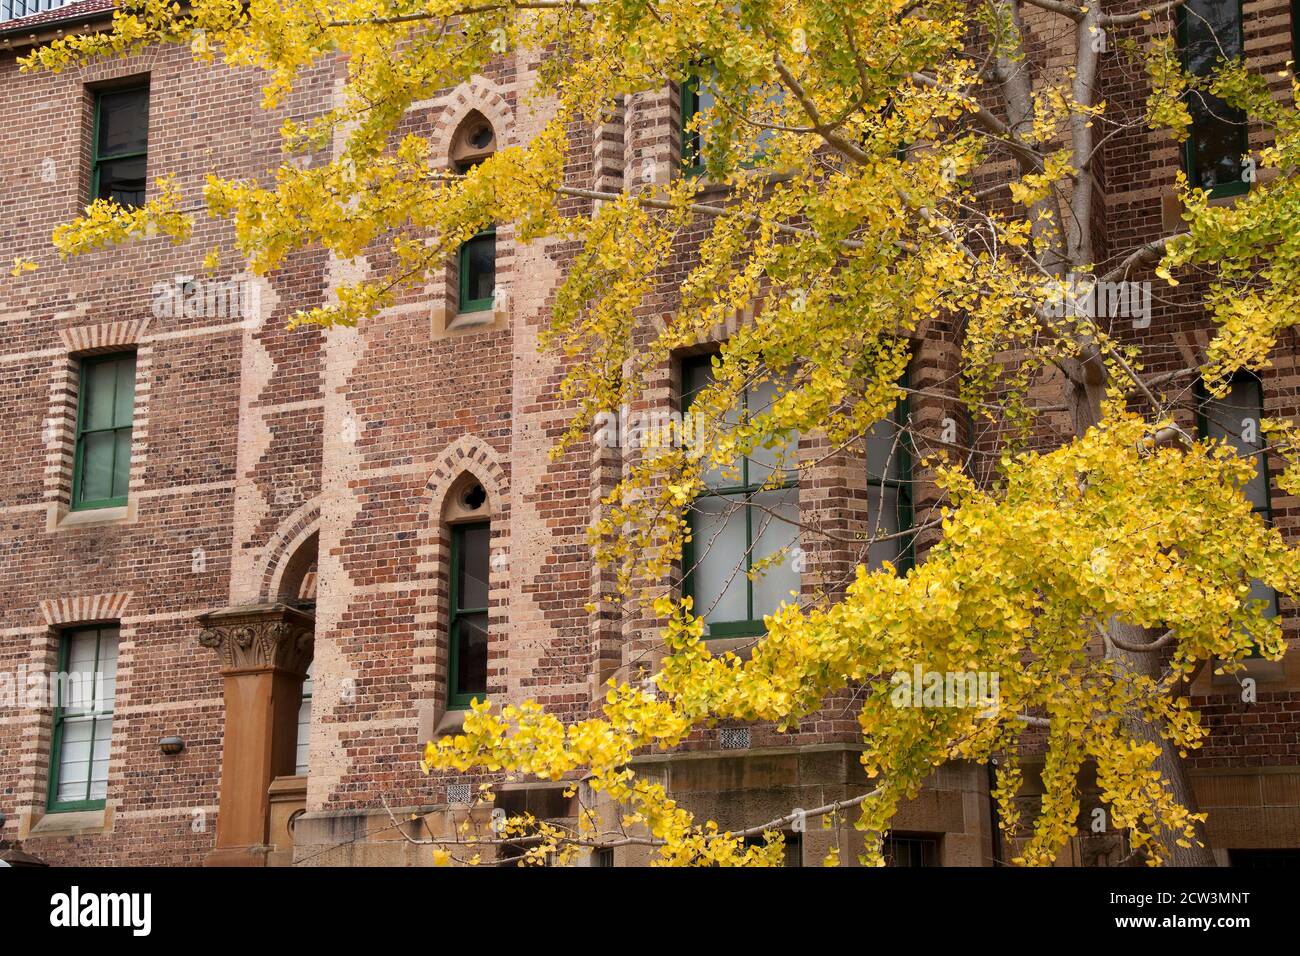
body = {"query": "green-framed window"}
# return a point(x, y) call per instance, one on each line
point(467, 630)
point(105, 405)
point(1235, 420)
point(83, 719)
point(697, 98)
point(120, 145)
point(1211, 31)
point(889, 490)
point(302, 758)
point(736, 523)
point(476, 264)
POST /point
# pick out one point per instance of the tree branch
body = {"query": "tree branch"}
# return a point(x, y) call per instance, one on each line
point(1125, 19)
point(472, 8)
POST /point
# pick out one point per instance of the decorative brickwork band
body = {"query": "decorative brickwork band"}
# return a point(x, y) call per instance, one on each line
point(471, 454)
point(110, 335)
point(85, 609)
point(260, 637)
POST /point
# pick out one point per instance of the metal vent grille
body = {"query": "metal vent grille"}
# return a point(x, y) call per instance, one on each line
point(458, 793)
point(734, 738)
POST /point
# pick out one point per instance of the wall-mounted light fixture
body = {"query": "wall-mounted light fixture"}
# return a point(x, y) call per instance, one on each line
point(171, 745)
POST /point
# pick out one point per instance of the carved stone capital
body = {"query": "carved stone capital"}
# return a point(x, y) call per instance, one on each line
point(260, 637)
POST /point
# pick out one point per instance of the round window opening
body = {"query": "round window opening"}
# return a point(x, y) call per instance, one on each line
point(480, 137)
point(473, 497)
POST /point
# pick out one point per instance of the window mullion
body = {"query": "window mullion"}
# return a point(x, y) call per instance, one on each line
point(94, 710)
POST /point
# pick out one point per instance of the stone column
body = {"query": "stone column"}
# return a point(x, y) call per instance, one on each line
point(263, 652)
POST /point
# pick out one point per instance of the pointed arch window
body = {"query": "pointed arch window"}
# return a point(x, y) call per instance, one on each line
point(476, 260)
point(467, 629)
point(468, 517)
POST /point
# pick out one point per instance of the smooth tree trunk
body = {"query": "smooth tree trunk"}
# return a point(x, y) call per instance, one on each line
point(1086, 403)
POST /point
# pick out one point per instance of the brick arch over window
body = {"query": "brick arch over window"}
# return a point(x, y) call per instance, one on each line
point(285, 545)
point(466, 455)
point(467, 459)
point(476, 95)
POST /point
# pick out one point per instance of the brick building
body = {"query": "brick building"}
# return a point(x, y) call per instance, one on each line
point(205, 506)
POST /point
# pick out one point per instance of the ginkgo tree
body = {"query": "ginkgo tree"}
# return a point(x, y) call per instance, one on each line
point(870, 168)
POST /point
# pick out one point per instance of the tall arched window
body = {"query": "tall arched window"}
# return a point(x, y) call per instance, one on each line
point(476, 262)
point(468, 520)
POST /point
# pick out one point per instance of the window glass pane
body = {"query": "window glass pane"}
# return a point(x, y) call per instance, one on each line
point(1235, 420)
point(472, 583)
point(106, 674)
point(78, 685)
point(785, 454)
point(123, 181)
point(696, 376)
point(884, 517)
point(76, 690)
point(123, 122)
point(99, 763)
point(701, 99)
point(480, 264)
point(121, 462)
point(774, 516)
point(718, 540)
point(124, 399)
point(471, 654)
point(1212, 32)
point(1259, 591)
point(101, 392)
point(74, 758)
point(884, 450)
point(97, 466)
point(1219, 141)
point(82, 652)
point(705, 96)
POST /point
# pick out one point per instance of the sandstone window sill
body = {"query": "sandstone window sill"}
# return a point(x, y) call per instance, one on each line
point(452, 722)
point(79, 823)
point(445, 322)
point(1171, 208)
point(61, 518)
